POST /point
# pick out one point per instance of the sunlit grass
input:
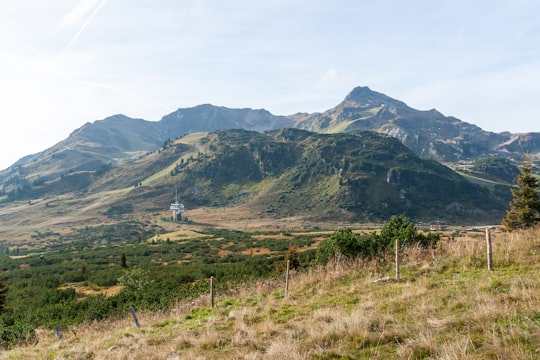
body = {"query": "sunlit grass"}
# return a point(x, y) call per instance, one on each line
point(193, 138)
point(167, 170)
point(339, 127)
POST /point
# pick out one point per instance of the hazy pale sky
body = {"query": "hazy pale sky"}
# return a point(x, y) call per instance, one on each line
point(67, 62)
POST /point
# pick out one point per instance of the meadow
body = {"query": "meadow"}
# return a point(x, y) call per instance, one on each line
point(98, 272)
point(446, 305)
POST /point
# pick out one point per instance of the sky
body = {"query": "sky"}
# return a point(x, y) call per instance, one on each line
point(64, 63)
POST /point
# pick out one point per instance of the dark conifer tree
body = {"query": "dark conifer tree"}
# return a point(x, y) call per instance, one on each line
point(524, 209)
point(3, 293)
point(293, 256)
point(123, 261)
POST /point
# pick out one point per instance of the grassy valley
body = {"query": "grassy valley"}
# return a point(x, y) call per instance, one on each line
point(447, 305)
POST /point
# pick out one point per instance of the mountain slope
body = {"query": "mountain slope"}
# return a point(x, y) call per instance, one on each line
point(429, 134)
point(119, 138)
point(354, 177)
point(89, 159)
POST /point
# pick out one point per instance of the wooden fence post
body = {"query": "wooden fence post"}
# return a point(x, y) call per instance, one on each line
point(489, 250)
point(58, 332)
point(287, 279)
point(397, 259)
point(212, 292)
point(134, 315)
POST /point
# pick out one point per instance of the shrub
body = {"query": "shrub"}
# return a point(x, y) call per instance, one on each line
point(344, 244)
point(12, 332)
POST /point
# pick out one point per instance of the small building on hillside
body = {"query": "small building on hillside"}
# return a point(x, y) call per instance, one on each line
point(177, 209)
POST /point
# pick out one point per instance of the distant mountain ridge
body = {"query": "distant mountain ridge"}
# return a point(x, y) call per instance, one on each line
point(211, 118)
point(429, 134)
point(118, 138)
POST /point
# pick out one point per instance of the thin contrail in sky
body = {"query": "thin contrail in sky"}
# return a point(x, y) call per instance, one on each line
point(86, 23)
point(101, 84)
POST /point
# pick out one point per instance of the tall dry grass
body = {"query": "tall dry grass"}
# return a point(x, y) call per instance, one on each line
point(447, 306)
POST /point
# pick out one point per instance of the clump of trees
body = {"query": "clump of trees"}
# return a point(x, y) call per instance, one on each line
point(524, 209)
point(3, 293)
point(345, 244)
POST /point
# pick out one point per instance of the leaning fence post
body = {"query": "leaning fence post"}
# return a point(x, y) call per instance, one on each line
point(135, 318)
point(397, 258)
point(58, 332)
point(489, 250)
point(211, 291)
point(287, 279)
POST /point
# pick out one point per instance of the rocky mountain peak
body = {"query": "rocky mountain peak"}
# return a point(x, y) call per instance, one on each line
point(363, 96)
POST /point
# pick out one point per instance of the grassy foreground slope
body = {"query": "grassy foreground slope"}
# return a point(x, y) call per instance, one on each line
point(447, 306)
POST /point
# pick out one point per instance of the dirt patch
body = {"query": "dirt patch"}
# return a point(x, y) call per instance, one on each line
point(180, 235)
point(271, 236)
point(86, 290)
point(222, 253)
point(257, 251)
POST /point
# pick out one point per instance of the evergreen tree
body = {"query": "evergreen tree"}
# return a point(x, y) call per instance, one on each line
point(293, 256)
point(123, 261)
point(3, 293)
point(343, 244)
point(525, 206)
point(398, 227)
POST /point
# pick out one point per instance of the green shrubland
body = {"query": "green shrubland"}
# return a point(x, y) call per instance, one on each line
point(149, 274)
point(447, 305)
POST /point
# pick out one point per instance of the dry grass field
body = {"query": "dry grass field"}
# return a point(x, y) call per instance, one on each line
point(447, 305)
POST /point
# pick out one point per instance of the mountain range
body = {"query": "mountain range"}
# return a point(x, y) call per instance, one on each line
point(365, 169)
point(429, 134)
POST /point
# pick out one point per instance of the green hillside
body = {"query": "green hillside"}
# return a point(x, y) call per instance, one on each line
point(363, 176)
point(359, 177)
